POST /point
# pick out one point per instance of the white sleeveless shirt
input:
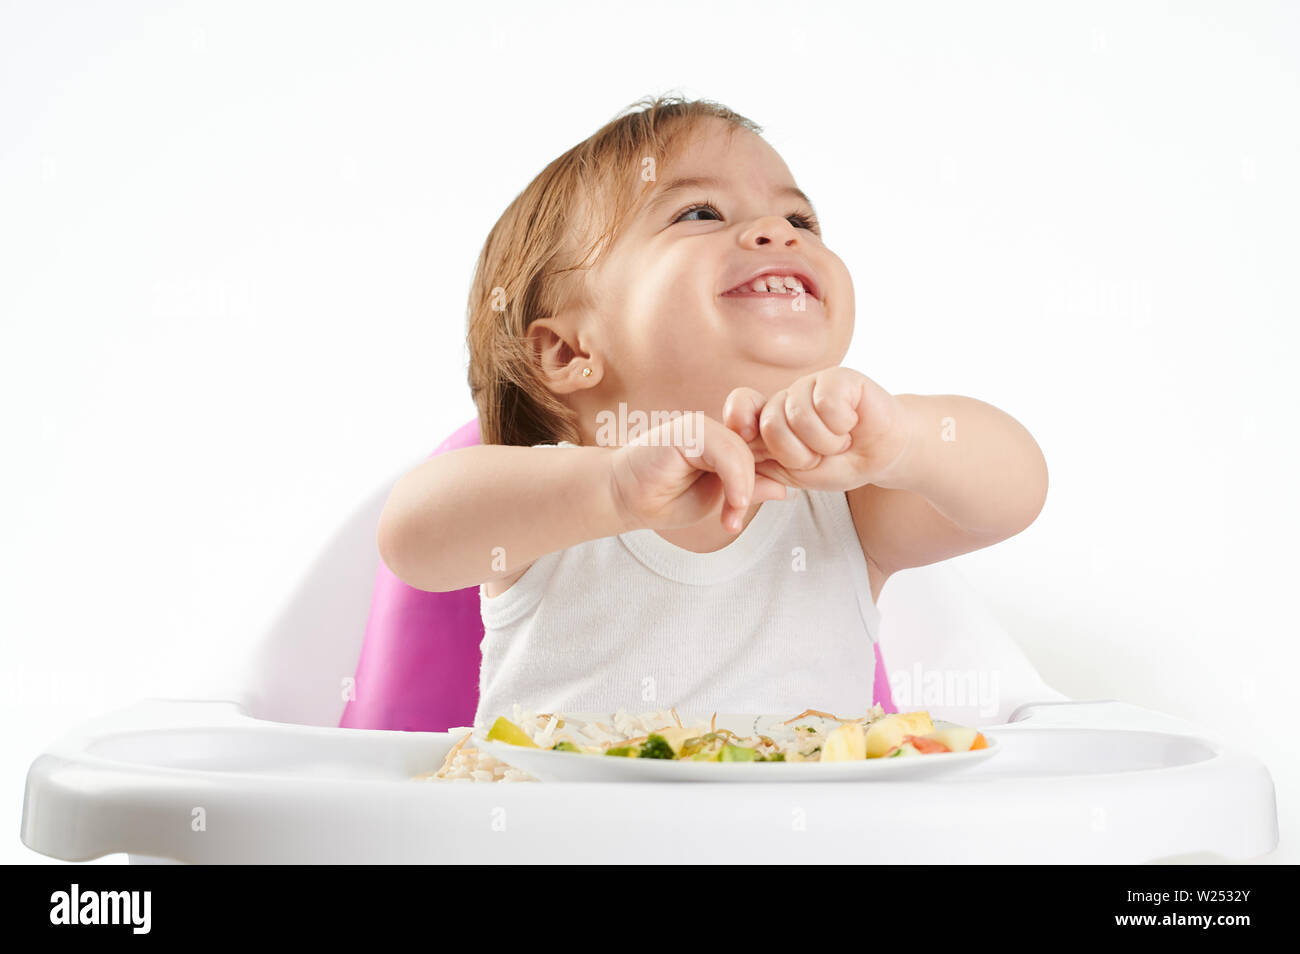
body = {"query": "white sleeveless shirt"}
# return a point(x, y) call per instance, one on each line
point(781, 619)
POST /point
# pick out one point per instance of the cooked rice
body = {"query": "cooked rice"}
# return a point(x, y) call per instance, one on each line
point(464, 763)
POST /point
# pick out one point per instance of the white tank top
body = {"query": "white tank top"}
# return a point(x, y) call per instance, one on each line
point(779, 620)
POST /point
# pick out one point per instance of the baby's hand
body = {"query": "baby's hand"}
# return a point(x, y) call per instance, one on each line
point(662, 485)
point(832, 430)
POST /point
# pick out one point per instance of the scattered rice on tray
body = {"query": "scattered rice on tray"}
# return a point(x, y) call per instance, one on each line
point(464, 763)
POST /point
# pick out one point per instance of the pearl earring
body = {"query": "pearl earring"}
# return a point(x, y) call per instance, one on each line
point(586, 372)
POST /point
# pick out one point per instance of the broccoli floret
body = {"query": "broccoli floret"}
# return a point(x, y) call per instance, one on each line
point(657, 747)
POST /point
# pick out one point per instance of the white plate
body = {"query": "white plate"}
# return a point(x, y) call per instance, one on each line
point(550, 766)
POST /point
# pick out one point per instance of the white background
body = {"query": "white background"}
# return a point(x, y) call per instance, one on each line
point(236, 242)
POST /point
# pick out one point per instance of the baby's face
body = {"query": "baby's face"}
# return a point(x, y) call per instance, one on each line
point(673, 333)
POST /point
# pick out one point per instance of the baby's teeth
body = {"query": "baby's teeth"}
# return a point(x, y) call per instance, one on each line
point(776, 284)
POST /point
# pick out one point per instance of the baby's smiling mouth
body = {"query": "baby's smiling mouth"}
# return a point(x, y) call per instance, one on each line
point(776, 280)
point(773, 287)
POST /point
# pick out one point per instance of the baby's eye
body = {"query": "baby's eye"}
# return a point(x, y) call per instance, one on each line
point(702, 207)
point(797, 219)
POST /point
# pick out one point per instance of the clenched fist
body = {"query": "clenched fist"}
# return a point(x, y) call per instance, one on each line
point(835, 429)
point(662, 485)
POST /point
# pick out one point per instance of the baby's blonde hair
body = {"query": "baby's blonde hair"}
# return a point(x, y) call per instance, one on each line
point(532, 262)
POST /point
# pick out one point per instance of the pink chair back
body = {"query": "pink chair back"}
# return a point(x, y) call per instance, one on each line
point(420, 659)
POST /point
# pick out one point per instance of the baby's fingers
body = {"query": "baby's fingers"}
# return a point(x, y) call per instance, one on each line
point(741, 410)
point(780, 438)
point(837, 396)
point(726, 455)
point(815, 412)
point(765, 488)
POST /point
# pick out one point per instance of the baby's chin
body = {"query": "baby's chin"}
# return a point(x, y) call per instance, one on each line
point(766, 373)
point(783, 349)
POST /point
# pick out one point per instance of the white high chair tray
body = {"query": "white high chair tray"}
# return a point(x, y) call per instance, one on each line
point(203, 782)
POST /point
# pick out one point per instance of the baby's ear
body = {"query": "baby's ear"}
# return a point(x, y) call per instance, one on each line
point(561, 362)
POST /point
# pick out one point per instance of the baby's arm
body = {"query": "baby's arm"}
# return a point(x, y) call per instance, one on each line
point(971, 475)
point(479, 513)
point(928, 476)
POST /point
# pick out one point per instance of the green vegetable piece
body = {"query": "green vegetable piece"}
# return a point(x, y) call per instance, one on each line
point(565, 746)
point(691, 746)
point(737, 753)
point(774, 757)
point(630, 751)
point(656, 747)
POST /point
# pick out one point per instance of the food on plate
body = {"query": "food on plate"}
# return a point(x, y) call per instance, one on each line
point(888, 732)
point(845, 744)
point(503, 730)
point(811, 736)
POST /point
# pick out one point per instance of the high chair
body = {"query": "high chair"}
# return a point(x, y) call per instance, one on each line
point(305, 753)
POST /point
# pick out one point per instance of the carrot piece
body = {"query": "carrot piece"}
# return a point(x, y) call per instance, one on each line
point(926, 746)
point(980, 742)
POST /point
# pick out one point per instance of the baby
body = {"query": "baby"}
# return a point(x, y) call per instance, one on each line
point(682, 498)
